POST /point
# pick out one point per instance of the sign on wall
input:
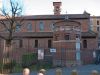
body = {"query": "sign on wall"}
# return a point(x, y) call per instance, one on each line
point(40, 54)
point(52, 50)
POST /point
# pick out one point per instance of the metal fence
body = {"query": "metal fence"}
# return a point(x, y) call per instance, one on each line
point(23, 58)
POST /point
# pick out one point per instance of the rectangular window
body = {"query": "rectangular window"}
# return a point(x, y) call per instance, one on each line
point(97, 28)
point(52, 26)
point(36, 43)
point(18, 27)
point(97, 22)
point(84, 43)
point(49, 44)
point(67, 37)
point(20, 43)
point(99, 45)
point(41, 26)
point(29, 27)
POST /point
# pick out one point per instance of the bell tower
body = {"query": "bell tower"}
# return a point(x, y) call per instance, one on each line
point(57, 8)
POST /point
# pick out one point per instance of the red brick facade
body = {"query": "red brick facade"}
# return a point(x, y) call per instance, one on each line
point(29, 35)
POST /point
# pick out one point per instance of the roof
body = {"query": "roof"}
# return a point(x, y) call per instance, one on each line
point(62, 16)
point(54, 17)
point(95, 17)
point(89, 34)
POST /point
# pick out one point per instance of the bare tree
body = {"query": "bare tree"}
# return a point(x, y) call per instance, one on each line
point(8, 21)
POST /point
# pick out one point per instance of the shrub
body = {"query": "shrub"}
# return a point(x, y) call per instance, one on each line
point(29, 59)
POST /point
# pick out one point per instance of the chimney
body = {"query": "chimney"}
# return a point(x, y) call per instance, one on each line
point(57, 8)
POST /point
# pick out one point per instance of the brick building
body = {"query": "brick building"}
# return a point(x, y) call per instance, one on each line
point(95, 26)
point(64, 37)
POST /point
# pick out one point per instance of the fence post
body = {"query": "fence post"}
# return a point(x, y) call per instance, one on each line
point(58, 71)
point(74, 72)
point(26, 71)
point(94, 72)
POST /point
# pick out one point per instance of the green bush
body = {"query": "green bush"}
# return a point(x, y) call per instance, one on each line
point(29, 59)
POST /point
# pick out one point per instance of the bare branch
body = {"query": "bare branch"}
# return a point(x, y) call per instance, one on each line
point(11, 18)
point(4, 24)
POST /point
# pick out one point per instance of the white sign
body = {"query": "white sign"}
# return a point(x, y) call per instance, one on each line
point(52, 50)
point(40, 54)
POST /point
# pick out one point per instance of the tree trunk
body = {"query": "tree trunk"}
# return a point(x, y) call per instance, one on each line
point(6, 57)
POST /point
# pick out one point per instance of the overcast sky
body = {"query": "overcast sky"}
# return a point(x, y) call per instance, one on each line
point(45, 7)
point(37, 7)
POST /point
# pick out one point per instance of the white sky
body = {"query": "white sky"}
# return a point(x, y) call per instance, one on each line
point(45, 7)
point(0, 3)
point(38, 7)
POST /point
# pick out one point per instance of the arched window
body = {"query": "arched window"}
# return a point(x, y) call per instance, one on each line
point(84, 43)
point(41, 26)
point(29, 27)
point(18, 28)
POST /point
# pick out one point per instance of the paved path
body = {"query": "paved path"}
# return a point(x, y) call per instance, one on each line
point(82, 70)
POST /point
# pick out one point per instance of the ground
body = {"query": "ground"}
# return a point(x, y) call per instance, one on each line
point(82, 70)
